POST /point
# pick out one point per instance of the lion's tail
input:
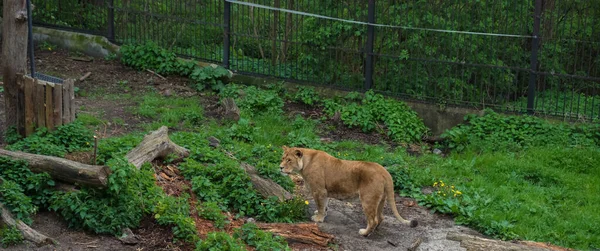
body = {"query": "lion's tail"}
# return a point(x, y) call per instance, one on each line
point(389, 192)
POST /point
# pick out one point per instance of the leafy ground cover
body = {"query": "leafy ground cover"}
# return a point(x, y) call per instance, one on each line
point(511, 177)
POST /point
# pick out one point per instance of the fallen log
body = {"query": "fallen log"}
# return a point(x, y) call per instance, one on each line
point(28, 233)
point(308, 233)
point(475, 243)
point(265, 187)
point(156, 144)
point(63, 169)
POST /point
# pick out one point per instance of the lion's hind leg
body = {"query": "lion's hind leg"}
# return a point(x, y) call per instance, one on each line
point(370, 206)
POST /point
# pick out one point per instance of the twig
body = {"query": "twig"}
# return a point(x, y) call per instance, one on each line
point(85, 243)
point(85, 76)
point(95, 148)
point(163, 78)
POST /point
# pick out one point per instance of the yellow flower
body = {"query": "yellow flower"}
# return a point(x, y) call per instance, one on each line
point(442, 185)
point(458, 192)
point(444, 194)
point(306, 202)
point(452, 187)
point(435, 184)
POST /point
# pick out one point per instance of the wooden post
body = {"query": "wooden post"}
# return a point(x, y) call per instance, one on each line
point(14, 51)
point(66, 95)
point(49, 107)
point(40, 120)
point(58, 105)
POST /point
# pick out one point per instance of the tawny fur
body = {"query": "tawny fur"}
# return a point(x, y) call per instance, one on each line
point(330, 177)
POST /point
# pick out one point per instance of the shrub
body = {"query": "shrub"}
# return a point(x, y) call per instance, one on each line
point(67, 138)
point(10, 236)
point(211, 211)
point(219, 241)
point(259, 239)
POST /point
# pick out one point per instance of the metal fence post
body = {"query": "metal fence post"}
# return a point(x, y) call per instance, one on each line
point(534, 57)
point(227, 33)
point(111, 20)
point(369, 47)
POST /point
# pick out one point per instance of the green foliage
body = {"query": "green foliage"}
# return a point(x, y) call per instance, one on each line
point(10, 236)
point(13, 196)
point(176, 211)
point(243, 130)
point(67, 138)
point(402, 123)
point(11, 135)
point(22, 190)
point(306, 95)
point(211, 211)
point(259, 239)
point(217, 241)
point(228, 185)
point(525, 195)
point(209, 76)
point(131, 194)
point(493, 131)
point(149, 56)
point(171, 112)
point(255, 101)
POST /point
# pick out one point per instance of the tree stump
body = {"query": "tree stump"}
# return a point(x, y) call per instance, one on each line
point(265, 187)
point(155, 145)
point(231, 109)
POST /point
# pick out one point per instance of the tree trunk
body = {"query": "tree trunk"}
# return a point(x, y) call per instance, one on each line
point(232, 111)
point(265, 187)
point(14, 56)
point(155, 145)
point(63, 169)
point(308, 233)
point(473, 243)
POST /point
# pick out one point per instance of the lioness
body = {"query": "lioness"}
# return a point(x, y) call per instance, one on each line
point(330, 177)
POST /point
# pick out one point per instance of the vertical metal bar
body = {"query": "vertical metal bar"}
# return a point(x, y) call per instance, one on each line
point(534, 56)
point(369, 48)
point(111, 20)
point(227, 33)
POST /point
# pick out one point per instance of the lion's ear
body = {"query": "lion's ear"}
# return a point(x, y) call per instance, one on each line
point(285, 148)
point(298, 153)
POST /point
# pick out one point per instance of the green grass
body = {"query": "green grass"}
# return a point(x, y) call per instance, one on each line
point(173, 112)
point(546, 194)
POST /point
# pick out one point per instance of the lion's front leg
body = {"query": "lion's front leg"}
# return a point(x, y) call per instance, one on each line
point(322, 201)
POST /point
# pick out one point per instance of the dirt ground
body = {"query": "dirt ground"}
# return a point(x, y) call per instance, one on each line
point(344, 218)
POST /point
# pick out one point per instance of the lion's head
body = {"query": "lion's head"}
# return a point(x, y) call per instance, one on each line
point(291, 160)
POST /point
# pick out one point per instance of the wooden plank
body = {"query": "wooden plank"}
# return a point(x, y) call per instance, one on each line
point(66, 103)
point(28, 87)
point(40, 110)
point(58, 104)
point(49, 108)
point(72, 99)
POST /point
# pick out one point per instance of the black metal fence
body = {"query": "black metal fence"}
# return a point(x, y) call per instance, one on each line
point(537, 56)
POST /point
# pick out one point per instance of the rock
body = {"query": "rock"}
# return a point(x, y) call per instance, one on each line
point(128, 237)
point(167, 93)
point(213, 142)
point(437, 151)
point(250, 220)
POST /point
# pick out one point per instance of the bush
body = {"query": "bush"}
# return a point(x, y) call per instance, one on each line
point(259, 239)
point(219, 241)
point(67, 138)
point(493, 131)
point(10, 236)
point(211, 211)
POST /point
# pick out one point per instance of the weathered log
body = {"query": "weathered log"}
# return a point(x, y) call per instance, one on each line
point(475, 243)
point(231, 109)
point(308, 233)
point(28, 233)
point(63, 169)
point(265, 187)
point(155, 145)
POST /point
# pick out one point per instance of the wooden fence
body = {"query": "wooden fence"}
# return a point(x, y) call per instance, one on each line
point(47, 104)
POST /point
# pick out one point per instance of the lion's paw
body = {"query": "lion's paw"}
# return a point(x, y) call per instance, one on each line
point(363, 232)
